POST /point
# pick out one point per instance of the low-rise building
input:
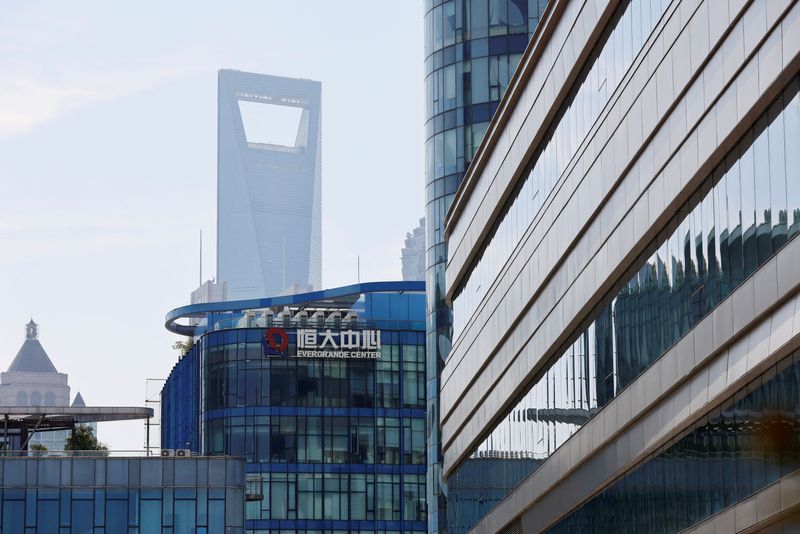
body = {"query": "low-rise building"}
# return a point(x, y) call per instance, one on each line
point(93, 492)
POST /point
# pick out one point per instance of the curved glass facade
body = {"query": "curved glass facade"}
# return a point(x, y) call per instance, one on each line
point(613, 56)
point(472, 48)
point(333, 441)
point(740, 448)
point(740, 216)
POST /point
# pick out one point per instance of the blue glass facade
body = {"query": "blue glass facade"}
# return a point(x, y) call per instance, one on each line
point(472, 48)
point(331, 444)
point(59, 495)
point(179, 405)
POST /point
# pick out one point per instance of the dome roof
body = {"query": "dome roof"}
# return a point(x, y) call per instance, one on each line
point(32, 357)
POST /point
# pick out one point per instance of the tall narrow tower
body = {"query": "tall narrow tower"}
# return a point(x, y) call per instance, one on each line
point(269, 225)
point(472, 48)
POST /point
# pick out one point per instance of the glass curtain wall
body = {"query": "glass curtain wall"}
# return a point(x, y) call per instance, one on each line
point(83, 495)
point(179, 405)
point(472, 48)
point(622, 42)
point(327, 440)
point(739, 217)
point(740, 448)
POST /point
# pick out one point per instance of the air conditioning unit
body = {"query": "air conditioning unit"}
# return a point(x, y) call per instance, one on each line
point(167, 452)
point(301, 318)
point(351, 319)
point(318, 318)
point(334, 319)
point(183, 452)
point(285, 316)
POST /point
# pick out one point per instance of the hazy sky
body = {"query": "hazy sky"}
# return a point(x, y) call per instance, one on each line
point(108, 163)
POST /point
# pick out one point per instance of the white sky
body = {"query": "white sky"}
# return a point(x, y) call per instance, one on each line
point(108, 163)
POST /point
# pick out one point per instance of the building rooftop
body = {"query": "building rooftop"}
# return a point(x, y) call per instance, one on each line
point(78, 402)
point(335, 298)
point(32, 357)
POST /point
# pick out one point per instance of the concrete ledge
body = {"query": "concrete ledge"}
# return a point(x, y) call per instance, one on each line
point(695, 375)
point(770, 506)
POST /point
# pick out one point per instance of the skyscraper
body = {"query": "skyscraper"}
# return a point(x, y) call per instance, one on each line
point(268, 184)
point(472, 48)
point(412, 255)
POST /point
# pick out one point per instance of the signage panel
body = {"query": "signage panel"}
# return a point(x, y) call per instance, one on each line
point(323, 343)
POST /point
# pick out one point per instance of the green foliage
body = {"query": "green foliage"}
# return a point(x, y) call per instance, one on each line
point(184, 346)
point(83, 439)
point(38, 447)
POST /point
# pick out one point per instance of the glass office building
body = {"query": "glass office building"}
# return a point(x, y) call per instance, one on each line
point(109, 495)
point(323, 394)
point(623, 277)
point(472, 48)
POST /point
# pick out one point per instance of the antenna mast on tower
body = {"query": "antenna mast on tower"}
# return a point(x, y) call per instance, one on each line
point(201, 256)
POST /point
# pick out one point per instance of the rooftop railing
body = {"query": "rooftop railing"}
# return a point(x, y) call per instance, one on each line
point(240, 321)
point(140, 453)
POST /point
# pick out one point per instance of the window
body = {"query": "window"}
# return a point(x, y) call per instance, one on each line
point(738, 449)
point(388, 497)
point(498, 17)
point(479, 81)
point(413, 441)
point(478, 19)
point(388, 440)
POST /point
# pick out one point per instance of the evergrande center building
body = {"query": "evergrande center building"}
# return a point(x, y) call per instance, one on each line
point(624, 273)
point(322, 394)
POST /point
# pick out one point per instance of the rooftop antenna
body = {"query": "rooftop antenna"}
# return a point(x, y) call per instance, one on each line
point(201, 256)
point(358, 268)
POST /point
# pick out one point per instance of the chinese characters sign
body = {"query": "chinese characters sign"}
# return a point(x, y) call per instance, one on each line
point(324, 343)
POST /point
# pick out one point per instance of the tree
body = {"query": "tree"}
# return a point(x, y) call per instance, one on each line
point(38, 449)
point(184, 346)
point(82, 438)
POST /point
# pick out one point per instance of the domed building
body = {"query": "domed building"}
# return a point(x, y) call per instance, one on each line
point(33, 380)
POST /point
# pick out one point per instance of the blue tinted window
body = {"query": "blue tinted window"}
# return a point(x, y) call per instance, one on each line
point(13, 515)
point(82, 516)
